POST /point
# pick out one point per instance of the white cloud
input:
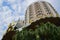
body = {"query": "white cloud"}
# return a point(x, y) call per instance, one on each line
point(1, 2)
point(18, 8)
point(11, 1)
point(31, 1)
point(14, 6)
point(5, 13)
point(47, 0)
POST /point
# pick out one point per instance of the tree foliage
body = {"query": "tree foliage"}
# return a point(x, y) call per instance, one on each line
point(45, 31)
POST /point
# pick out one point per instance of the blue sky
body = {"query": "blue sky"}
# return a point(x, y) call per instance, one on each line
point(11, 10)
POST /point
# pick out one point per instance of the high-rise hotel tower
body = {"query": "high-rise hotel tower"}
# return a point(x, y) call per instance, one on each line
point(39, 10)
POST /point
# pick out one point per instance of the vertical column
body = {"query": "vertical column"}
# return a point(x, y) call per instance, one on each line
point(34, 13)
point(51, 9)
point(43, 10)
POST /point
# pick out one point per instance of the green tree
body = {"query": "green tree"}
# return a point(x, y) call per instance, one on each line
point(45, 31)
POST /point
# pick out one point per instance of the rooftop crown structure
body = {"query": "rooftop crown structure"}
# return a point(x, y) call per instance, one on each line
point(39, 10)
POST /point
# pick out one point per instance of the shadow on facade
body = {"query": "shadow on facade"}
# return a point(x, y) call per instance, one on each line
point(54, 20)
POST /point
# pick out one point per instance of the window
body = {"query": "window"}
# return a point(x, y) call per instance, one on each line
point(39, 12)
point(31, 17)
point(46, 8)
point(30, 9)
point(37, 6)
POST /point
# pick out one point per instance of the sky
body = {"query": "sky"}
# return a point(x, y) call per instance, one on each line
point(12, 10)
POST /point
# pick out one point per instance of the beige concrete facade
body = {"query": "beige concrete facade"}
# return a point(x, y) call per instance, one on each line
point(39, 10)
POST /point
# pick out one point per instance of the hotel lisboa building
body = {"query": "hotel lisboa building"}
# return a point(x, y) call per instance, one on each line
point(38, 10)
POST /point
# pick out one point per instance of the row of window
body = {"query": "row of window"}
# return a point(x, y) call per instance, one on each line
point(37, 6)
point(46, 8)
point(38, 10)
point(30, 9)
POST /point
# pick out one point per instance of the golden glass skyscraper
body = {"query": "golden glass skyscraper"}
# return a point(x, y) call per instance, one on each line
point(39, 10)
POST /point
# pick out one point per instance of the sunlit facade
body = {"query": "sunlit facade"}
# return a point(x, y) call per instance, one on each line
point(39, 10)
